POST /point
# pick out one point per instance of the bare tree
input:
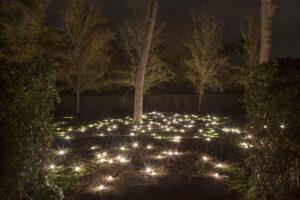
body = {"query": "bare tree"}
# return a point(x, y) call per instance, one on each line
point(205, 63)
point(140, 75)
point(87, 44)
point(268, 11)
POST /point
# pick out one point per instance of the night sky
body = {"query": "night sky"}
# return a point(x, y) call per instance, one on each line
point(286, 40)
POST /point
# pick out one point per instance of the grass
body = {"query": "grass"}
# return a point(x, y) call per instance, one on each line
point(163, 154)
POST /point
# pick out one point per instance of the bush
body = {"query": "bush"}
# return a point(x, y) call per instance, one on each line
point(27, 85)
point(272, 104)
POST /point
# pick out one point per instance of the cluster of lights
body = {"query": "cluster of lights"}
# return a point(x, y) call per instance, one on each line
point(177, 139)
point(171, 153)
point(165, 126)
point(233, 130)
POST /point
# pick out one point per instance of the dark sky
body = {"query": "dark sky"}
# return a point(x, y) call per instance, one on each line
point(286, 41)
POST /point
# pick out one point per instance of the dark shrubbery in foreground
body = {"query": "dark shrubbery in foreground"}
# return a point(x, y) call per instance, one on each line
point(272, 104)
point(26, 99)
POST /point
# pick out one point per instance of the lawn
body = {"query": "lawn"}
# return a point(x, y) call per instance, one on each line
point(167, 156)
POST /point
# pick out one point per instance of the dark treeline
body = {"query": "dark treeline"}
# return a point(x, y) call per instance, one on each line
point(177, 63)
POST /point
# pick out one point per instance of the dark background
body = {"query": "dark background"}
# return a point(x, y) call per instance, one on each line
point(286, 27)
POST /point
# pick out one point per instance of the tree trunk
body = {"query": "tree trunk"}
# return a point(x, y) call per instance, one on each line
point(78, 91)
point(140, 76)
point(78, 102)
point(199, 102)
point(268, 11)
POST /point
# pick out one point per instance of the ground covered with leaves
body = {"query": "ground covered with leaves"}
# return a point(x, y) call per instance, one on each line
point(166, 156)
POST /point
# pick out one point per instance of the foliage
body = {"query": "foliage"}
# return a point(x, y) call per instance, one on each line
point(205, 64)
point(27, 98)
point(87, 44)
point(133, 35)
point(272, 103)
point(251, 43)
point(239, 179)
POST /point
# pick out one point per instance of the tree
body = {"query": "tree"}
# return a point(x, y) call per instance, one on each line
point(87, 47)
point(268, 11)
point(205, 63)
point(251, 42)
point(28, 94)
point(133, 34)
point(140, 75)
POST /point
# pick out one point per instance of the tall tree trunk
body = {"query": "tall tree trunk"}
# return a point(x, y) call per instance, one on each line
point(78, 91)
point(268, 11)
point(78, 103)
point(140, 76)
point(199, 101)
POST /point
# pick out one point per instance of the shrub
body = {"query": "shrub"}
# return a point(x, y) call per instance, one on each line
point(272, 104)
point(27, 85)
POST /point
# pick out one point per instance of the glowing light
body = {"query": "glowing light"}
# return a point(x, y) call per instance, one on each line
point(148, 169)
point(122, 160)
point(77, 168)
point(135, 145)
point(99, 155)
point(265, 126)
point(282, 126)
point(216, 175)
point(61, 152)
point(122, 148)
point(102, 160)
point(52, 166)
point(219, 165)
point(200, 130)
point(101, 187)
point(159, 157)
point(110, 178)
point(110, 161)
point(149, 147)
point(153, 173)
point(208, 139)
point(68, 137)
point(132, 134)
point(204, 158)
point(176, 139)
